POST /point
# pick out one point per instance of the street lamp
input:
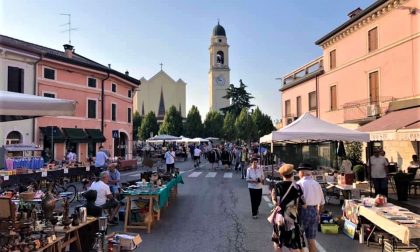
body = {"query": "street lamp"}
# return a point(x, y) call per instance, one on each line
point(52, 142)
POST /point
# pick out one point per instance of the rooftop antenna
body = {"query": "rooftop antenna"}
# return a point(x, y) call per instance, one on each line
point(69, 29)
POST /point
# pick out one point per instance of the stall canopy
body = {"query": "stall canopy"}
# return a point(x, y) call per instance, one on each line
point(161, 138)
point(396, 125)
point(56, 135)
point(95, 135)
point(199, 140)
point(308, 128)
point(76, 135)
point(17, 106)
point(184, 139)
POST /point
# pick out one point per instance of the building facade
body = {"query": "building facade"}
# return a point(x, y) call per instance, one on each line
point(158, 94)
point(17, 71)
point(369, 68)
point(219, 77)
point(104, 103)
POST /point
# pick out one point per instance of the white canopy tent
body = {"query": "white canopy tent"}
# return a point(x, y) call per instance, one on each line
point(17, 106)
point(184, 140)
point(308, 128)
point(199, 140)
point(162, 138)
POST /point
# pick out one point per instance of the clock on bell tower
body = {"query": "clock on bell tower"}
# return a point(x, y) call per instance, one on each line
point(219, 69)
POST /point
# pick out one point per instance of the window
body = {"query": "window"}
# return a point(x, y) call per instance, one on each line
point(333, 98)
point(298, 106)
point(92, 109)
point(114, 112)
point(14, 137)
point(114, 87)
point(49, 73)
point(312, 100)
point(49, 95)
point(129, 93)
point(287, 108)
point(333, 62)
point(15, 79)
point(373, 39)
point(129, 115)
point(92, 82)
point(374, 87)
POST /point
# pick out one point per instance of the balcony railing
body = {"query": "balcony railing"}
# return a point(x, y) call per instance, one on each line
point(365, 110)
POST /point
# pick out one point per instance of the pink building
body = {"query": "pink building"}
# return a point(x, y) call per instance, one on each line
point(369, 68)
point(104, 103)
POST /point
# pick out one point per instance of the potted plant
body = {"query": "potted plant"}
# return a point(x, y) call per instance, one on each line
point(402, 184)
point(359, 171)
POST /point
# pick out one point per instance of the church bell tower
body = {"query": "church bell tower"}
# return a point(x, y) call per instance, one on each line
point(219, 69)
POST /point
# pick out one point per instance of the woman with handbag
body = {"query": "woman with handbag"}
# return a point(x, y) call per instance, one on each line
point(255, 178)
point(287, 196)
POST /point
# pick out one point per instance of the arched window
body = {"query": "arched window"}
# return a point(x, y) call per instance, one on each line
point(220, 57)
point(14, 137)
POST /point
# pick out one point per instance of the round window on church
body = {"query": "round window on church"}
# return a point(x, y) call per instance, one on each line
point(220, 41)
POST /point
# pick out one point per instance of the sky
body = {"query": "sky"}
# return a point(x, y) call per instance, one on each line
point(268, 39)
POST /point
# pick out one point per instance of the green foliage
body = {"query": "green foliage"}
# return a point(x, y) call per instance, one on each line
point(354, 152)
point(149, 125)
point(213, 124)
point(245, 126)
point(359, 171)
point(193, 126)
point(239, 98)
point(136, 124)
point(263, 123)
point(229, 130)
point(172, 122)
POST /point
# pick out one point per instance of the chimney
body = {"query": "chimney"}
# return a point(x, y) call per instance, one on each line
point(354, 13)
point(126, 73)
point(68, 50)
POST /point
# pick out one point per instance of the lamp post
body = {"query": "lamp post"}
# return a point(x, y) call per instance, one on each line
point(52, 142)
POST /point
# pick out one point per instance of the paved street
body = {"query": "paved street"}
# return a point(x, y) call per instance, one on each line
point(212, 213)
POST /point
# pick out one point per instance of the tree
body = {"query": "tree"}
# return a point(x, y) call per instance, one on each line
point(245, 126)
point(213, 124)
point(263, 123)
point(149, 125)
point(354, 152)
point(193, 126)
point(229, 130)
point(172, 122)
point(136, 125)
point(239, 97)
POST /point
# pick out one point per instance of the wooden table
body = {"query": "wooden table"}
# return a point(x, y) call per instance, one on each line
point(53, 246)
point(147, 224)
point(71, 235)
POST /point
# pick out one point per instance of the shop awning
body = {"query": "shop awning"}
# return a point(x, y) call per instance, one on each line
point(95, 135)
point(76, 135)
point(57, 136)
point(397, 125)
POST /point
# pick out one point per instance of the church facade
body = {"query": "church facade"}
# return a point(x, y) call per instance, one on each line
point(158, 94)
point(219, 69)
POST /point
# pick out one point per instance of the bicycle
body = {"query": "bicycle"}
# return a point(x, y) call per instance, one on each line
point(60, 187)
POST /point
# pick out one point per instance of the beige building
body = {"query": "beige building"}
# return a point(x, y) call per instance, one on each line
point(219, 69)
point(158, 94)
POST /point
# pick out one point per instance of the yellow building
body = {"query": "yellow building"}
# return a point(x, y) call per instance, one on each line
point(158, 94)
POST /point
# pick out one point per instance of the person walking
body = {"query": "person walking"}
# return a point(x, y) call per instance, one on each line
point(255, 178)
point(244, 159)
point(197, 154)
point(309, 215)
point(237, 154)
point(170, 160)
point(101, 160)
point(287, 197)
point(378, 171)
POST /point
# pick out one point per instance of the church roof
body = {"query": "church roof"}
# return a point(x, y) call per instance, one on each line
point(161, 73)
point(218, 30)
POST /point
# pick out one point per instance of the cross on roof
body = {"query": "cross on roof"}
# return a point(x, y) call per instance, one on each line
point(161, 66)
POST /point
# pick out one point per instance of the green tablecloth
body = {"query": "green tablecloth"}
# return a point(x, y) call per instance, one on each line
point(163, 192)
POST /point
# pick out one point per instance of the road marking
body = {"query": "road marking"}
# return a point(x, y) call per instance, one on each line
point(134, 175)
point(194, 174)
point(319, 247)
point(211, 175)
point(266, 198)
point(182, 172)
point(228, 175)
point(130, 173)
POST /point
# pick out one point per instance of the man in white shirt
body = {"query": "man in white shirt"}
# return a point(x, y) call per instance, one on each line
point(104, 198)
point(378, 171)
point(170, 160)
point(71, 156)
point(314, 202)
point(197, 153)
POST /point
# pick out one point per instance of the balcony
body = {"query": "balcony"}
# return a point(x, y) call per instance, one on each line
point(363, 111)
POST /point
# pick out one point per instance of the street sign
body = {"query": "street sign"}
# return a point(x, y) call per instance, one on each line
point(115, 134)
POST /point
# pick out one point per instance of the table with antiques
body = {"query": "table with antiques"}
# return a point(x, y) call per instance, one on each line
point(54, 246)
point(71, 235)
point(395, 220)
point(147, 200)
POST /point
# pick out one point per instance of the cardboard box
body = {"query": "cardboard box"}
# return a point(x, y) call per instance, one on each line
point(361, 185)
point(128, 241)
